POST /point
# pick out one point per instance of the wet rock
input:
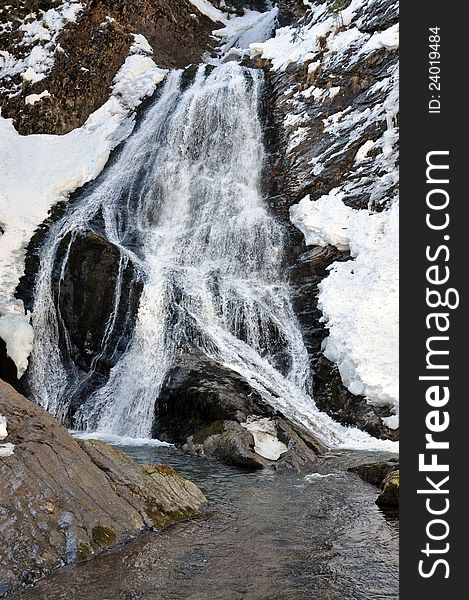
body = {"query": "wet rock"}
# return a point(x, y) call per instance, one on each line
point(376, 473)
point(95, 325)
point(203, 407)
point(94, 271)
point(64, 501)
point(389, 497)
point(384, 475)
point(8, 371)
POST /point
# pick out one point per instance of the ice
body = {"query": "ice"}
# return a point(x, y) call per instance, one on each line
point(251, 28)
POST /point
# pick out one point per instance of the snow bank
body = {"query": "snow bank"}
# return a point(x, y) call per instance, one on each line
point(5, 449)
point(39, 170)
point(16, 331)
point(360, 297)
point(266, 443)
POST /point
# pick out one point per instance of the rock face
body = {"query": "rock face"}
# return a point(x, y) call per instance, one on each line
point(64, 501)
point(287, 99)
point(208, 410)
point(92, 51)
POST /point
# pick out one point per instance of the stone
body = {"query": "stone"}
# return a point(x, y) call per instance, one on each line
point(389, 497)
point(376, 473)
point(204, 409)
point(64, 501)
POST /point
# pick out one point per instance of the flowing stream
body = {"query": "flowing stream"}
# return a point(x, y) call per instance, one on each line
point(183, 201)
point(266, 537)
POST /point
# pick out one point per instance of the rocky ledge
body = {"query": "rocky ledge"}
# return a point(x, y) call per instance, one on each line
point(64, 501)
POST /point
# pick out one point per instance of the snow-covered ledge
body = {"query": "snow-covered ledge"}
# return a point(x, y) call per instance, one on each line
point(37, 171)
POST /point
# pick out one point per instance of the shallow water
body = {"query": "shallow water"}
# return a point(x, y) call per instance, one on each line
point(266, 537)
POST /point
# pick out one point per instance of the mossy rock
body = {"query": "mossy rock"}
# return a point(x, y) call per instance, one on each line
point(103, 536)
point(84, 551)
point(389, 497)
point(215, 428)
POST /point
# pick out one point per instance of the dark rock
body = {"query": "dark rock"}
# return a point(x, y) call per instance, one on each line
point(8, 371)
point(198, 393)
point(202, 406)
point(64, 501)
point(389, 497)
point(86, 299)
point(376, 473)
point(332, 397)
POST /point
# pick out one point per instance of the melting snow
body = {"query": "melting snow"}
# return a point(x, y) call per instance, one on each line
point(34, 56)
point(266, 442)
point(206, 8)
point(359, 299)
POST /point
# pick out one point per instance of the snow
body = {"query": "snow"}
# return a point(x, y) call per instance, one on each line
point(16, 331)
point(251, 28)
point(326, 35)
point(363, 151)
point(360, 298)
point(3, 428)
point(141, 44)
point(33, 98)
point(266, 442)
point(206, 8)
point(6, 450)
point(39, 170)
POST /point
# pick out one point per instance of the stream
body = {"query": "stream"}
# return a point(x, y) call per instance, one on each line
point(264, 537)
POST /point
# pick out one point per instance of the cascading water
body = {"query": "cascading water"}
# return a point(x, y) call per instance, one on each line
point(186, 190)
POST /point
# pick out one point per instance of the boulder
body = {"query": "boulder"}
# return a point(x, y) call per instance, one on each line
point(376, 473)
point(385, 475)
point(211, 411)
point(389, 497)
point(65, 501)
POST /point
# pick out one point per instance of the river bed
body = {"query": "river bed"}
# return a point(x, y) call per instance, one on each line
point(265, 536)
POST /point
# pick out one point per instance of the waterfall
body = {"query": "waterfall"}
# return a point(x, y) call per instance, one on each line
point(187, 187)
